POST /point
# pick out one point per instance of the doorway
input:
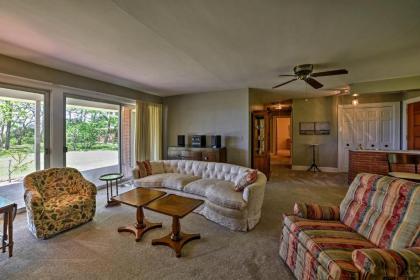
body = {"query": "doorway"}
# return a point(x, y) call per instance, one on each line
point(280, 136)
point(281, 142)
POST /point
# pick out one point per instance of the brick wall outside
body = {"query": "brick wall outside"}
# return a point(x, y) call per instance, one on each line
point(372, 162)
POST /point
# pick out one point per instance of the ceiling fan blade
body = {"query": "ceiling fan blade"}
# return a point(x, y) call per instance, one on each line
point(330, 73)
point(282, 84)
point(314, 83)
point(287, 75)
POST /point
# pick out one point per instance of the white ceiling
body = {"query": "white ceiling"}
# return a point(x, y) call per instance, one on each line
point(172, 47)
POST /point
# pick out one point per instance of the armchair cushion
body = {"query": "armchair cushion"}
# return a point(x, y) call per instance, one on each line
point(316, 211)
point(64, 206)
point(386, 263)
point(383, 209)
point(325, 245)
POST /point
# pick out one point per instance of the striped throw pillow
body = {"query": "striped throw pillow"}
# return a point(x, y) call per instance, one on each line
point(316, 211)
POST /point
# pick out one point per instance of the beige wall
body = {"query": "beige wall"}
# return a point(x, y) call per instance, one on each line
point(214, 113)
point(371, 98)
point(20, 68)
point(322, 109)
point(283, 132)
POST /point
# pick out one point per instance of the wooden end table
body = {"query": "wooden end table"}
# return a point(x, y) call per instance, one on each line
point(8, 208)
point(177, 207)
point(109, 178)
point(138, 198)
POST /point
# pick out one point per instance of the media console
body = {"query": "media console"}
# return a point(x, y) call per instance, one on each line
point(202, 154)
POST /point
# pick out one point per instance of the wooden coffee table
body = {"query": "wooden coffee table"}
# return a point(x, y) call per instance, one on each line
point(138, 198)
point(177, 207)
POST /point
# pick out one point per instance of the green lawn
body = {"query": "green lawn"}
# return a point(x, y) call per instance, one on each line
point(76, 157)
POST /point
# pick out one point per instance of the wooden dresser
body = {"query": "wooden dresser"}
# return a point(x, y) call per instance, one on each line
point(203, 154)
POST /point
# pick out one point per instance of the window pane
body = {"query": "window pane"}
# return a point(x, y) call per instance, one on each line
point(92, 137)
point(21, 140)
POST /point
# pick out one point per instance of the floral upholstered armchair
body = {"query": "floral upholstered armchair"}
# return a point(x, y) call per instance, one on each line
point(58, 199)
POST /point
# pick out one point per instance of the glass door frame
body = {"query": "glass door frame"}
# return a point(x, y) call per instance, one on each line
point(81, 97)
point(46, 95)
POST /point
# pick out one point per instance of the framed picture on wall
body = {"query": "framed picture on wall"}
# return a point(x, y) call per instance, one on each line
point(322, 128)
point(307, 128)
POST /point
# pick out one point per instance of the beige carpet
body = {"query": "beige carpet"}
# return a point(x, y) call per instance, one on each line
point(97, 251)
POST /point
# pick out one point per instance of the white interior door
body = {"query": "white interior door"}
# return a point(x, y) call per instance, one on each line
point(369, 127)
point(386, 124)
point(347, 136)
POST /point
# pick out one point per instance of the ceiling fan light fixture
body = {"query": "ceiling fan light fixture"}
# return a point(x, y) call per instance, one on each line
point(305, 73)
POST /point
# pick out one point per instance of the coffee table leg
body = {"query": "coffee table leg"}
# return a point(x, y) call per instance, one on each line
point(142, 225)
point(176, 239)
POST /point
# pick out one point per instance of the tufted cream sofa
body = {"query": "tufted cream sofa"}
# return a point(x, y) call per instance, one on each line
point(214, 183)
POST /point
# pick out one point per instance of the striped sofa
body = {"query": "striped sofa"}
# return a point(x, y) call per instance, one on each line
point(373, 234)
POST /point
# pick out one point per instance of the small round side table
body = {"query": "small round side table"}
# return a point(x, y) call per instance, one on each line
point(109, 178)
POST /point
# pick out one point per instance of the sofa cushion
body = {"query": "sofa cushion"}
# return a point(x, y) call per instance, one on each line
point(223, 194)
point(152, 181)
point(178, 181)
point(206, 170)
point(383, 209)
point(329, 242)
point(200, 186)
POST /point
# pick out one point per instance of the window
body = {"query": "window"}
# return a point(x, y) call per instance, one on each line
point(23, 136)
point(92, 137)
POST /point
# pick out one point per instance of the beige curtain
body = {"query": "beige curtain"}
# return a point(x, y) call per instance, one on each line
point(148, 131)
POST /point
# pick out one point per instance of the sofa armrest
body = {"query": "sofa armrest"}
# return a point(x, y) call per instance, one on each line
point(316, 211)
point(384, 263)
point(253, 194)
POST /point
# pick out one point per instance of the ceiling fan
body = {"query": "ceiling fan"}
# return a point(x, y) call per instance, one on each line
point(304, 72)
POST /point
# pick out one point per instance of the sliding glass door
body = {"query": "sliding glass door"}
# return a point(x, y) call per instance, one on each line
point(92, 137)
point(23, 138)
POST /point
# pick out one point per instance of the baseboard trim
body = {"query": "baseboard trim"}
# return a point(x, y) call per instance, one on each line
point(322, 168)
